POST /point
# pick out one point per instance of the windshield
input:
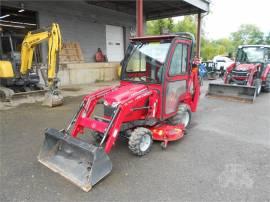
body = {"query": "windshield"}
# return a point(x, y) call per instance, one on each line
point(145, 62)
point(251, 54)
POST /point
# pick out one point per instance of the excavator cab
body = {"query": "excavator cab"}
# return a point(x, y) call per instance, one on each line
point(9, 58)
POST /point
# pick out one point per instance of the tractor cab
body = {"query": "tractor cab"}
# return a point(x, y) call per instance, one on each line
point(254, 55)
point(148, 58)
point(164, 64)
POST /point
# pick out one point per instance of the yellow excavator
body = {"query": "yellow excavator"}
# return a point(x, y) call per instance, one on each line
point(19, 78)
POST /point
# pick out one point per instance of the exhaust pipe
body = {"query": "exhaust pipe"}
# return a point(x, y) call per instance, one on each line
point(81, 163)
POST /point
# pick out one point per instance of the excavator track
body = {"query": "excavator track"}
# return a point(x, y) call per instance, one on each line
point(8, 95)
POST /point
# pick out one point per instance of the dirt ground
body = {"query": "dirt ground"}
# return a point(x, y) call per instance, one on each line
point(224, 157)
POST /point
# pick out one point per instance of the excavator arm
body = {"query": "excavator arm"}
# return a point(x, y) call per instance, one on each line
point(51, 34)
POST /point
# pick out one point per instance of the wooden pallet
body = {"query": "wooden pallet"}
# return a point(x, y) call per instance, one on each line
point(71, 53)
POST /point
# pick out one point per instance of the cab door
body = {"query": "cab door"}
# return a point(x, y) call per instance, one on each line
point(176, 77)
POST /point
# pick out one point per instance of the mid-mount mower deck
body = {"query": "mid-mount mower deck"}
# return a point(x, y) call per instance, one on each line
point(159, 89)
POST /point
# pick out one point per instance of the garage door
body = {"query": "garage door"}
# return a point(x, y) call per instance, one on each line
point(114, 43)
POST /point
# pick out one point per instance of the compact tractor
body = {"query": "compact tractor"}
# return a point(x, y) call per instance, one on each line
point(247, 77)
point(159, 89)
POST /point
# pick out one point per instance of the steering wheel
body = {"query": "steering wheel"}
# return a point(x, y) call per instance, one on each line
point(146, 78)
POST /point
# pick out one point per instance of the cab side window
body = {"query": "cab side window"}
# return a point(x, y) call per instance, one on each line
point(179, 60)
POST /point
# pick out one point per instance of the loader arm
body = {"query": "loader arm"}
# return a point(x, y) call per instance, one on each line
point(112, 128)
point(33, 38)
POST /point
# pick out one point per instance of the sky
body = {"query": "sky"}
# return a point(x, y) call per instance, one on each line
point(227, 15)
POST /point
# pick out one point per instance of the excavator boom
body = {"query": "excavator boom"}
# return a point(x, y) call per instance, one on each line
point(32, 39)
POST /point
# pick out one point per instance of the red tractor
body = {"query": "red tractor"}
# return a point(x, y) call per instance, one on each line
point(245, 78)
point(159, 89)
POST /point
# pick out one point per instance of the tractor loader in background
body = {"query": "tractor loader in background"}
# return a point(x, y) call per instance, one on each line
point(159, 89)
point(247, 77)
point(20, 78)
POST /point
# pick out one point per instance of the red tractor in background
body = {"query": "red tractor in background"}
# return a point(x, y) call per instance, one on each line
point(159, 89)
point(245, 78)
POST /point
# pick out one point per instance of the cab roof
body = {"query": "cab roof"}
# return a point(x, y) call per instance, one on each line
point(154, 38)
point(243, 46)
point(169, 37)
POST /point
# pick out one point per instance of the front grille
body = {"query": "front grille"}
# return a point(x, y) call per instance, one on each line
point(108, 110)
point(239, 77)
point(239, 73)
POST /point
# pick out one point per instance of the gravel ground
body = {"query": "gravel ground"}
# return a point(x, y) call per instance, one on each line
point(224, 157)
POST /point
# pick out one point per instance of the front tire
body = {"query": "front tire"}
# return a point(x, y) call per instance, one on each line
point(267, 83)
point(97, 136)
point(258, 85)
point(140, 141)
point(183, 116)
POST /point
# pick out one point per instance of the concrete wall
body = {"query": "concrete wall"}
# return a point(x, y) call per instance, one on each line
point(86, 73)
point(79, 22)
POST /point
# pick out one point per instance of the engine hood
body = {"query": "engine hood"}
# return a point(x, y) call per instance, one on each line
point(124, 93)
point(245, 67)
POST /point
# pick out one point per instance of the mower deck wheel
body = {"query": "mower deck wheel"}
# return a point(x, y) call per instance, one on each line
point(140, 141)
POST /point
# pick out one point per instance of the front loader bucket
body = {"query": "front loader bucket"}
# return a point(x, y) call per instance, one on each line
point(82, 163)
point(232, 92)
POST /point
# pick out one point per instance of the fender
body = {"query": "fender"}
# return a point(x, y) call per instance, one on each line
point(228, 71)
point(265, 72)
point(253, 73)
point(192, 100)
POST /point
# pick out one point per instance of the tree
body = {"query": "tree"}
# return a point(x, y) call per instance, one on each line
point(170, 24)
point(188, 24)
point(267, 39)
point(247, 34)
point(156, 27)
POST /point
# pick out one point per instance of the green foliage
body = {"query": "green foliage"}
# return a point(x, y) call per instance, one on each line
point(156, 27)
point(267, 39)
point(188, 24)
point(247, 34)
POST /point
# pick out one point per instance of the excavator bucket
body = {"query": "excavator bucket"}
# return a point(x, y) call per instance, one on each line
point(53, 100)
point(82, 163)
point(232, 92)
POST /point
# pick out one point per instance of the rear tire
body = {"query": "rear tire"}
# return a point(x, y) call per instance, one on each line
point(183, 116)
point(140, 141)
point(267, 83)
point(258, 85)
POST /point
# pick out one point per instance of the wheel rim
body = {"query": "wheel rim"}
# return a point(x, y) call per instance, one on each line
point(185, 118)
point(145, 142)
